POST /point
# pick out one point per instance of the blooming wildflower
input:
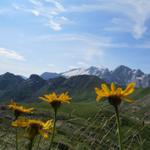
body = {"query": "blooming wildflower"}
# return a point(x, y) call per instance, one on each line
point(34, 127)
point(18, 109)
point(115, 95)
point(56, 100)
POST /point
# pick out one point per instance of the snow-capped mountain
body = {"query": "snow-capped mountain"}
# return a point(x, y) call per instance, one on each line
point(124, 75)
point(121, 75)
point(87, 71)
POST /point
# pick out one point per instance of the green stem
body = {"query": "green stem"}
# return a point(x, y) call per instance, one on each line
point(30, 144)
point(53, 132)
point(118, 128)
point(38, 143)
point(16, 139)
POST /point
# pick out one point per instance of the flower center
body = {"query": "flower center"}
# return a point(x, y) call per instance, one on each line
point(114, 100)
point(56, 104)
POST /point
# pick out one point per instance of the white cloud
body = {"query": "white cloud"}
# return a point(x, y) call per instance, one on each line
point(11, 54)
point(138, 14)
point(16, 7)
point(35, 2)
point(51, 11)
point(54, 25)
point(133, 13)
point(93, 52)
point(85, 47)
point(35, 12)
point(89, 42)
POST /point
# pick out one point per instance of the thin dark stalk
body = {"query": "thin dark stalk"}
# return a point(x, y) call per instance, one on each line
point(16, 139)
point(53, 132)
point(38, 143)
point(30, 144)
point(118, 127)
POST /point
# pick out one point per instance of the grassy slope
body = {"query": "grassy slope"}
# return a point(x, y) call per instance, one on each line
point(83, 114)
point(87, 124)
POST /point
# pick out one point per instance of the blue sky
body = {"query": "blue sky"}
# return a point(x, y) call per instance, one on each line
point(57, 35)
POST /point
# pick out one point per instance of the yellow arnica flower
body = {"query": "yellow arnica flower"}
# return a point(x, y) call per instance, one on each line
point(55, 100)
point(18, 109)
point(115, 95)
point(34, 127)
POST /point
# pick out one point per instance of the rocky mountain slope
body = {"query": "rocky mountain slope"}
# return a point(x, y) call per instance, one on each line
point(121, 75)
point(80, 83)
point(14, 87)
point(49, 75)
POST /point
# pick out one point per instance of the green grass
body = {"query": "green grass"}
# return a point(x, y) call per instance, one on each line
point(89, 125)
point(141, 93)
point(94, 118)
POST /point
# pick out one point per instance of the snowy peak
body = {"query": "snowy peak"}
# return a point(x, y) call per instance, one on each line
point(121, 75)
point(95, 70)
point(122, 69)
point(74, 72)
point(85, 71)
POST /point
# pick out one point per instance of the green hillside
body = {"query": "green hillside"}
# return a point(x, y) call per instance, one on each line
point(83, 124)
point(87, 125)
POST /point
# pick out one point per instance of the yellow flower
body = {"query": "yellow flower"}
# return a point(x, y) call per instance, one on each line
point(18, 109)
point(115, 95)
point(55, 100)
point(34, 127)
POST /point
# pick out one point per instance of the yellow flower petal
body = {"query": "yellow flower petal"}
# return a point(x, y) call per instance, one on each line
point(49, 124)
point(35, 127)
point(119, 91)
point(53, 97)
point(114, 94)
point(44, 99)
point(113, 87)
point(129, 89)
point(18, 108)
point(44, 133)
point(100, 94)
point(128, 100)
point(20, 123)
point(105, 89)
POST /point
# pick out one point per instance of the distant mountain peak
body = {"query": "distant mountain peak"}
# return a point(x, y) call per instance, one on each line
point(50, 75)
point(121, 75)
point(74, 80)
point(122, 67)
point(8, 74)
point(35, 77)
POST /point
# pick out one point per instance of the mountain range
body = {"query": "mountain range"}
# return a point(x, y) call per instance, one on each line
point(122, 75)
point(20, 89)
point(80, 83)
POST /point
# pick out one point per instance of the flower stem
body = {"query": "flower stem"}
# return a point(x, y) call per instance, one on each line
point(118, 128)
point(53, 132)
point(16, 139)
point(38, 143)
point(30, 144)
